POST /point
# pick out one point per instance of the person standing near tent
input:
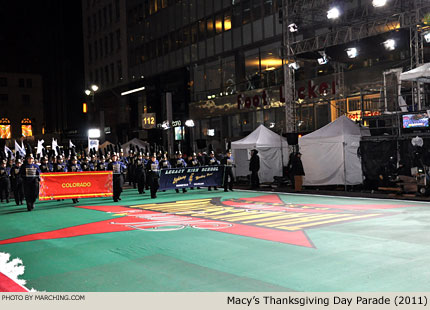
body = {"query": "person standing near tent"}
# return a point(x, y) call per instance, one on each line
point(228, 162)
point(297, 171)
point(254, 167)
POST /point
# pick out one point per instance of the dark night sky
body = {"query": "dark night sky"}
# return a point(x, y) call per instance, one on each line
point(46, 37)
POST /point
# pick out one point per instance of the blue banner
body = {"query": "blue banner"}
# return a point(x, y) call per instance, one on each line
point(191, 177)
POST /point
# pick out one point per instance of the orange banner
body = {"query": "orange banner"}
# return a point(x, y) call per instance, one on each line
point(64, 185)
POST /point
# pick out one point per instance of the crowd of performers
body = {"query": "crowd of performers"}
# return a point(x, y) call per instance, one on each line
point(140, 169)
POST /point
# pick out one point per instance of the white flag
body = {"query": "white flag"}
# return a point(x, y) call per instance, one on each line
point(40, 146)
point(7, 150)
point(54, 146)
point(71, 144)
point(19, 149)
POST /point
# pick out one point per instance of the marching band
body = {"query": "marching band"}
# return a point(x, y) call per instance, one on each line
point(140, 169)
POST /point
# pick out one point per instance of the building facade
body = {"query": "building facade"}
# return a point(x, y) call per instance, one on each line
point(106, 65)
point(223, 62)
point(21, 106)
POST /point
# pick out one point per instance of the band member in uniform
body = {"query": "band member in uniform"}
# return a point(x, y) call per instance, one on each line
point(4, 181)
point(193, 162)
point(101, 165)
point(118, 169)
point(140, 173)
point(130, 166)
point(212, 161)
point(93, 163)
point(44, 165)
point(17, 182)
point(165, 163)
point(228, 162)
point(30, 173)
point(180, 163)
point(152, 168)
point(59, 166)
point(74, 167)
point(85, 166)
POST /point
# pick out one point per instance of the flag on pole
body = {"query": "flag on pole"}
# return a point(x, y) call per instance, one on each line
point(71, 145)
point(19, 149)
point(54, 146)
point(40, 146)
point(7, 150)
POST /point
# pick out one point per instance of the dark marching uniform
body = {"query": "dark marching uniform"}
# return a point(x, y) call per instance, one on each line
point(45, 167)
point(180, 163)
point(152, 168)
point(74, 167)
point(193, 162)
point(228, 163)
point(4, 182)
point(212, 161)
point(59, 166)
point(118, 169)
point(30, 174)
point(17, 185)
point(140, 174)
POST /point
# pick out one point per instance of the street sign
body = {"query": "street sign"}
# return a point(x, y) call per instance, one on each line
point(148, 120)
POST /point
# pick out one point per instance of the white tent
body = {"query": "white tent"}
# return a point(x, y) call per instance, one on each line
point(268, 145)
point(329, 154)
point(105, 144)
point(136, 142)
point(419, 74)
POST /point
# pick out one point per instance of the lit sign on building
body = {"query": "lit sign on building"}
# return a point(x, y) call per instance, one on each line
point(149, 120)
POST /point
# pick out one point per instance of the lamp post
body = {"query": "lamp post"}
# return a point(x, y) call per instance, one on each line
point(91, 92)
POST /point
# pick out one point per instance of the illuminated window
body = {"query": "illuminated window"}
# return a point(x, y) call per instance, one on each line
point(5, 132)
point(26, 128)
point(227, 21)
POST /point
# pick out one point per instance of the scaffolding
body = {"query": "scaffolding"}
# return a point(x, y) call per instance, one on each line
point(357, 23)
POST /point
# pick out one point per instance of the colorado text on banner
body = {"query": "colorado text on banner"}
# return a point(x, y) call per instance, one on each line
point(191, 177)
point(63, 185)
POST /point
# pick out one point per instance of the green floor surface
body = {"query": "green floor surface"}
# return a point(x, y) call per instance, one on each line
point(388, 253)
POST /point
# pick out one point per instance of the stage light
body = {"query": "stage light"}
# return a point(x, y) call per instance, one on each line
point(165, 125)
point(294, 65)
point(427, 36)
point(189, 123)
point(390, 45)
point(379, 3)
point(333, 13)
point(293, 27)
point(324, 59)
point(352, 52)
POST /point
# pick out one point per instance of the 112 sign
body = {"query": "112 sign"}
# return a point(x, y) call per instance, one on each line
point(148, 120)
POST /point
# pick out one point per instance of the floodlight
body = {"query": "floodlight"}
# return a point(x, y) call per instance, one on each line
point(293, 27)
point(333, 13)
point(294, 65)
point(379, 3)
point(189, 123)
point(390, 44)
point(427, 36)
point(352, 52)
